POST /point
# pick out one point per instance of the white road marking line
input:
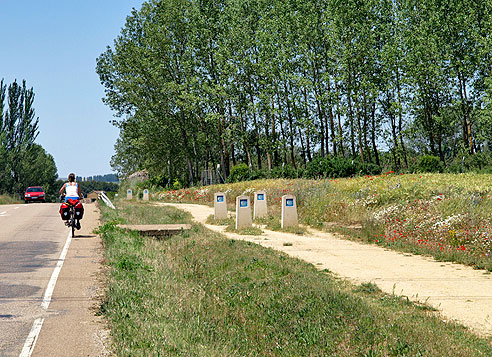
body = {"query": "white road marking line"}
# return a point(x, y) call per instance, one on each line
point(16, 207)
point(32, 338)
point(51, 285)
point(38, 323)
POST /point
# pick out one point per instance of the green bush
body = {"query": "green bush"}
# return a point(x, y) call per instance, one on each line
point(238, 173)
point(287, 172)
point(160, 180)
point(429, 163)
point(477, 162)
point(339, 167)
point(369, 169)
point(319, 167)
point(258, 174)
point(177, 185)
point(342, 167)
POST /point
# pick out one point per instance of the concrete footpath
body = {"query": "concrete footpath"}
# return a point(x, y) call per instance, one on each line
point(459, 292)
point(71, 327)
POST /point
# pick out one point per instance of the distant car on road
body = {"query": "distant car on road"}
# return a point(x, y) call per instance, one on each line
point(34, 193)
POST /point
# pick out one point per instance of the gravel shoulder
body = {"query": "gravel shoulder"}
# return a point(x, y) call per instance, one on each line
point(458, 292)
point(72, 327)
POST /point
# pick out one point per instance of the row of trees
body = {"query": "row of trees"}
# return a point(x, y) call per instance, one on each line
point(196, 83)
point(102, 178)
point(23, 163)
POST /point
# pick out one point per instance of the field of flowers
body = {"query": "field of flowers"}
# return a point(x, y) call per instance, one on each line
point(447, 216)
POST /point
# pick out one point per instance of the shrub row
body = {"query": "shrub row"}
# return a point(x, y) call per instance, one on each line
point(318, 168)
point(338, 167)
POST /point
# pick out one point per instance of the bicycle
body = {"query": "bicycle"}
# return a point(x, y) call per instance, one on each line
point(71, 220)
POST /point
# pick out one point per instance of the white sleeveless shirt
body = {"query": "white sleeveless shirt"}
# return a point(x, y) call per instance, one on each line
point(72, 189)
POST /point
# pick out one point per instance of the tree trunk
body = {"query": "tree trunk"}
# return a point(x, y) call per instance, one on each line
point(274, 135)
point(257, 138)
point(365, 128)
point(318, 106)
point(467, 134)
point(291, 128)
point(245, 134)
point(351, 120)
point(280, 120)
point(339, 121)
point(400, 119)
point(306, 111)
point(184, 138)
point(332, 124)
point(373, 136)
point(303, 150)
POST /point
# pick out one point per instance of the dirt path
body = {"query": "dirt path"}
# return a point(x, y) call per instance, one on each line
point(459, 292)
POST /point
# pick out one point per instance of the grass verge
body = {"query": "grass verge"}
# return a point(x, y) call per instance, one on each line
point(201, 294)
point(8, 200)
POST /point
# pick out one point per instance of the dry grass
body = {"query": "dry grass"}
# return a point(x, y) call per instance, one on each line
point(8, 200)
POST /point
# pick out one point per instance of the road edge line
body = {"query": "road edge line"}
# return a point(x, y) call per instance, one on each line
point(38, 323)
point(32, 338)
point(51, 285)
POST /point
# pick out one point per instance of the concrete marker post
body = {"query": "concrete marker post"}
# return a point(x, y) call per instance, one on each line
point(243, 212)
point(220, 206)
point(260, 208)
point(146, 195)
point(129, 194)
point(289, 211)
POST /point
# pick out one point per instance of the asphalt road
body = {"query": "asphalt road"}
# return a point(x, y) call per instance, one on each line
point(32, 237)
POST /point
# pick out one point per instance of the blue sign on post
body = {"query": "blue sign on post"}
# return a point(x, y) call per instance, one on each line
point(243, 203)
point(260, 197)
point(289, 202)
point(220, 198)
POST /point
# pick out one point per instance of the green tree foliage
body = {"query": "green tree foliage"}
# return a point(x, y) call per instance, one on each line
point(23, 163)
point(279, 83)
point(89, 186)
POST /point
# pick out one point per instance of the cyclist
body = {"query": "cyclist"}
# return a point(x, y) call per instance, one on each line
point(72, 193)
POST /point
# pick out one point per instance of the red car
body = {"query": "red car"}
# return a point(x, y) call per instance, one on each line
point(33, 194)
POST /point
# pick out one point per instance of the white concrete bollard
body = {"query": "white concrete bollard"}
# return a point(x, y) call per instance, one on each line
point(129, 194)
point(260, 209)
point(289, 211)
point(220, 206)
point(243, 212)
point(145, 195)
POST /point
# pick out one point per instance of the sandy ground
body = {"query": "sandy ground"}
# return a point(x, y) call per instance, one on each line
point(459, 292)
point(72, 327)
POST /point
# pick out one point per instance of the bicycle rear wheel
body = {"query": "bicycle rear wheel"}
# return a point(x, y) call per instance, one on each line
point(72, 221)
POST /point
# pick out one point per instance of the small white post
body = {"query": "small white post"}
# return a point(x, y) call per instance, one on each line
point(243, 212)
point(289, 211)
point(260, 208)
point(220, 206)
point(129, 194)
point(145, 195)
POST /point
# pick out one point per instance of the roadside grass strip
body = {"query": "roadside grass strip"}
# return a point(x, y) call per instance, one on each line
point(8, 200)
point(201, 294)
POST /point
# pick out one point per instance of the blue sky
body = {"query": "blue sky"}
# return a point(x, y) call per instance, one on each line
point(53, 45)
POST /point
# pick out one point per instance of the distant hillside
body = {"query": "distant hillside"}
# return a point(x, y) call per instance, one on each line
point(100, 178)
